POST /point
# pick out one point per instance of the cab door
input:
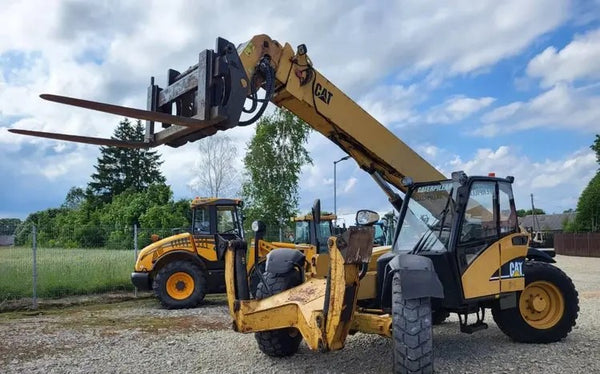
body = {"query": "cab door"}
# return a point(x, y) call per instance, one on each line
point(477, 247)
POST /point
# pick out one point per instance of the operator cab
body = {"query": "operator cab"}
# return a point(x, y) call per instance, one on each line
point(217, 216)
point(303, 231)
point(453, 222)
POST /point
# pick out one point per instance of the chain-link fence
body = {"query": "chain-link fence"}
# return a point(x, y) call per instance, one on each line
point(38, 262)
point(54, 262)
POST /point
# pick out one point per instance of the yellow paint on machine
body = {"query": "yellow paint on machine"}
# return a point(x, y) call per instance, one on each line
point(476, 279)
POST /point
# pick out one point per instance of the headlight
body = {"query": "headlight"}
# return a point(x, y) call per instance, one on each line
point(255, 226)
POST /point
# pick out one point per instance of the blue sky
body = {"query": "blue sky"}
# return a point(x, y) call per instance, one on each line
point(508, 87)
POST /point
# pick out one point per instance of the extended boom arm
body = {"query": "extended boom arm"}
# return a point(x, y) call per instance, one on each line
point(210, 96)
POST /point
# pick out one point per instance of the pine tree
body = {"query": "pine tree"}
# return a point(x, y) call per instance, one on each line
point(119, 169)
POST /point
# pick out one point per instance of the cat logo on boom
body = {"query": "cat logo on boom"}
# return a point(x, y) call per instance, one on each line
point(322, 93)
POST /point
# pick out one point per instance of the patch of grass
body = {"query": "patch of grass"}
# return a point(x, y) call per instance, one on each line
point(63, 272)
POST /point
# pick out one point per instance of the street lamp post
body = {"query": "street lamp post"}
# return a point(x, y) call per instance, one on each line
point(335, 185)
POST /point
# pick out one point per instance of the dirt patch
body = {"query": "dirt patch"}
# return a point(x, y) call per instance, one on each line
point(590, 294)
point(105, 298)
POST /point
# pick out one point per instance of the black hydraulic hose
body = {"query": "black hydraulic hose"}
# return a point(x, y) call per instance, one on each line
point(265, 68)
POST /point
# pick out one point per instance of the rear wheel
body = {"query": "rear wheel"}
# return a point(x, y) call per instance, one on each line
point(412, 332)
point(280, 342)
point(546, 309)
point(180, 284)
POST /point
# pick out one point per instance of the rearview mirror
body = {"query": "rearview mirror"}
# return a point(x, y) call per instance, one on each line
point(366, 217)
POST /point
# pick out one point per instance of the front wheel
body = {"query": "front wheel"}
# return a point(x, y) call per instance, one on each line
point(180, 284)
point(439, 316)
point(546, 309)
point(280, 342)
point(412, 332)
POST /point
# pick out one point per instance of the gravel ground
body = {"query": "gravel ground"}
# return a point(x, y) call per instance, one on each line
point(138, 336)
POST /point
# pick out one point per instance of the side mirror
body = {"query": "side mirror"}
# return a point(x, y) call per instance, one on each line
point(366, 217)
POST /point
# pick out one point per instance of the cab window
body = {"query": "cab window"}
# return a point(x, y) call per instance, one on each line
point(201, 221)
point(508, 213)
point(324, 230)
point(302, 230)
point(225, 219)
point(479, 221)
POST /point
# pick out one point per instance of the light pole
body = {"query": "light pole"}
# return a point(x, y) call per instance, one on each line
point(334, 184)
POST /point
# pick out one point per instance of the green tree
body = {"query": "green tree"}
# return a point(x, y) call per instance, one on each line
point(119, 169)
point(523, 212)
point(9, 225)
point(75, 197)
point(596, 148)
point(588, 206)
point(273, 161)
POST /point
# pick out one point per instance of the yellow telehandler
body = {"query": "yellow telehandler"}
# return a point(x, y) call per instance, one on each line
point(457, 246)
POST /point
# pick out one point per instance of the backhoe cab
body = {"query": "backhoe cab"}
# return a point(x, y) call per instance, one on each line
point(457, 248)
point(182, 268)
point(311, 234)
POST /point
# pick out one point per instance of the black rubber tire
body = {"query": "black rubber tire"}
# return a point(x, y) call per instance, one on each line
point(511, 322)
point(412, 332)
point(439, 316)
point(254, 278)
point(159, 285)
point(280, 342)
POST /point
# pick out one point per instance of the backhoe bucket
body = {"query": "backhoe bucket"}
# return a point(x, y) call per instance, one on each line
point(320, 309)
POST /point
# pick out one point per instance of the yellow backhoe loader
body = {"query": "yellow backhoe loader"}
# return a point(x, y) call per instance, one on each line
point(457, 246)
point(181, 269)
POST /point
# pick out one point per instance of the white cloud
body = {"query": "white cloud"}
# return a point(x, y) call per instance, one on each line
point(576, 61)
point(108, 51)
point(457, 108)
point(349, 185)
point(562, 107)
point(557, 183)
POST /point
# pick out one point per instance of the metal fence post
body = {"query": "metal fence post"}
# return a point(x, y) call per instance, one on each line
point(35, 303)
point(135, 251)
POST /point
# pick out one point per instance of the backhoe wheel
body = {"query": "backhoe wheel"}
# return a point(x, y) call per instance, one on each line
point(280, 342)
point(412, 332)
point(439, 316)
point(546, 309)
point(180, 284)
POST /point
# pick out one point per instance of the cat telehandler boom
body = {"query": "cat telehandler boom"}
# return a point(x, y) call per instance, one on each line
point(457, 246)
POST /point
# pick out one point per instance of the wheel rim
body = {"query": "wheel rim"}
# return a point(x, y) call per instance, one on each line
point(541, 305)
point(180, 285)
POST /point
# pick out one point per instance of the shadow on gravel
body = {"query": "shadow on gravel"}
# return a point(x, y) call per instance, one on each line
point(105, 298)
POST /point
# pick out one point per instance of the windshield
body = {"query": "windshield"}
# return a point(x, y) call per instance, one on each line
point(227, 220)
point(303, 231)
point(426, 224)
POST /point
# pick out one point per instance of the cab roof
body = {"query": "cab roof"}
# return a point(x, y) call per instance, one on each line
point(205, 201)
point(308, 217)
